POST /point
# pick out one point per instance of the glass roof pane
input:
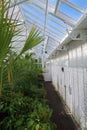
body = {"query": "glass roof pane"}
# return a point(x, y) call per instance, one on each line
point(53, 2)
point(64, 8)
point(60, 23)
point(55, 31)
point(81, 3)
point(56, 25)
point(38, 8)
point(33, 18)
point(53, 24)
point(56, 18)
point(32, 11)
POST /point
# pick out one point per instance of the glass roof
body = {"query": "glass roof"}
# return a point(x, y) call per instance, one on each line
point(53, 18)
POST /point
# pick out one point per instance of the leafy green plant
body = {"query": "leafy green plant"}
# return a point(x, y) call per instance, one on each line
point(21, 101)
point(24, 112)
point(40, 118)
point(33, 39)
point(8, 30)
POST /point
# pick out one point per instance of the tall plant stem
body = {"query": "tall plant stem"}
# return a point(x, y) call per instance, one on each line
point(1, 75)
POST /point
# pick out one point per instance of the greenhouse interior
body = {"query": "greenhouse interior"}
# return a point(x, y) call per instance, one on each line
point(43, 67)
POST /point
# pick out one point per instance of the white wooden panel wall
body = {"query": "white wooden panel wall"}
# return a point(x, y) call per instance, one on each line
point(85, 96)
point(47, 72)
point(54, 74)
point(72, 83)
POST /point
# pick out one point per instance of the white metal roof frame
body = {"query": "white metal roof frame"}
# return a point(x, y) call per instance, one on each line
point(54, 21)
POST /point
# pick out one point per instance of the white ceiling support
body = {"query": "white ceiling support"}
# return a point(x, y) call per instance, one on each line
point(79, 34)
point(73, 6)
point(80, 28)
point(25, 23)
point(57, 6)
point(45, 22)
point(46, 13)
point(66, 19)
point(55, 24)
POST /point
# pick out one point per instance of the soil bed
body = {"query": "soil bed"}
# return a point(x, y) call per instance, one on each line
point(60, 117)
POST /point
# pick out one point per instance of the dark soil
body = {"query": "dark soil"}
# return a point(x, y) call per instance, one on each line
point(60, 116)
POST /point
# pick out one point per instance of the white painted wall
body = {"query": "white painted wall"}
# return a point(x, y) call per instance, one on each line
point(72, 83)
point(47, 72)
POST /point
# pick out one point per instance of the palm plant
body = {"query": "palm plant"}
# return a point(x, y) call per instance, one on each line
point(8, 31)
point(32, 40)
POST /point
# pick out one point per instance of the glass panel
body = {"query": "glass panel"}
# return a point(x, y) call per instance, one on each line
point(56, 25)
point(53, 2)
point(32, 11)
point(55, 18)
point(81, 3)
point(64, 8)
point(34, 19)
point(55, 31)
point(38, 8)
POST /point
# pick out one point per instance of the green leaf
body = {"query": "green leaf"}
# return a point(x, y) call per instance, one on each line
point(33, 39)
point(30, 123)
point(37, 127)
point(19, 122)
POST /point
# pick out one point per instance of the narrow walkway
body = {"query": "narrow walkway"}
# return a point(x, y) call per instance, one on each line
point(62, 120)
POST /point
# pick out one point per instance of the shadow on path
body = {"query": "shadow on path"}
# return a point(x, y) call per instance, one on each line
point(60, 117)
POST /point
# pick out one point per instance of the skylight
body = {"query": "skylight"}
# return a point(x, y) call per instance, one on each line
point(80, 3)
point(64, 8)
point(53, 2)
point(54, 17)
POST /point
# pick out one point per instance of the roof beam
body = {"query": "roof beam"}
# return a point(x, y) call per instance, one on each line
point(66, 19)
point(57, 5)
point(56, 21)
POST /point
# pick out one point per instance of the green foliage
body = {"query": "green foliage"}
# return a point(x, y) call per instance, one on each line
point(7, 28)
point(22, 104)
point(24, 112)
point(33, 39)
point(7, 32)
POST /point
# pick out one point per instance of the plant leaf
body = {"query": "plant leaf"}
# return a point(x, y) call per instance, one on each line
point(33, 39)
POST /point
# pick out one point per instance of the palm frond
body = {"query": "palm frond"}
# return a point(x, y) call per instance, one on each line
point(7, 32)
point(7, 28)
point(33, 39)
